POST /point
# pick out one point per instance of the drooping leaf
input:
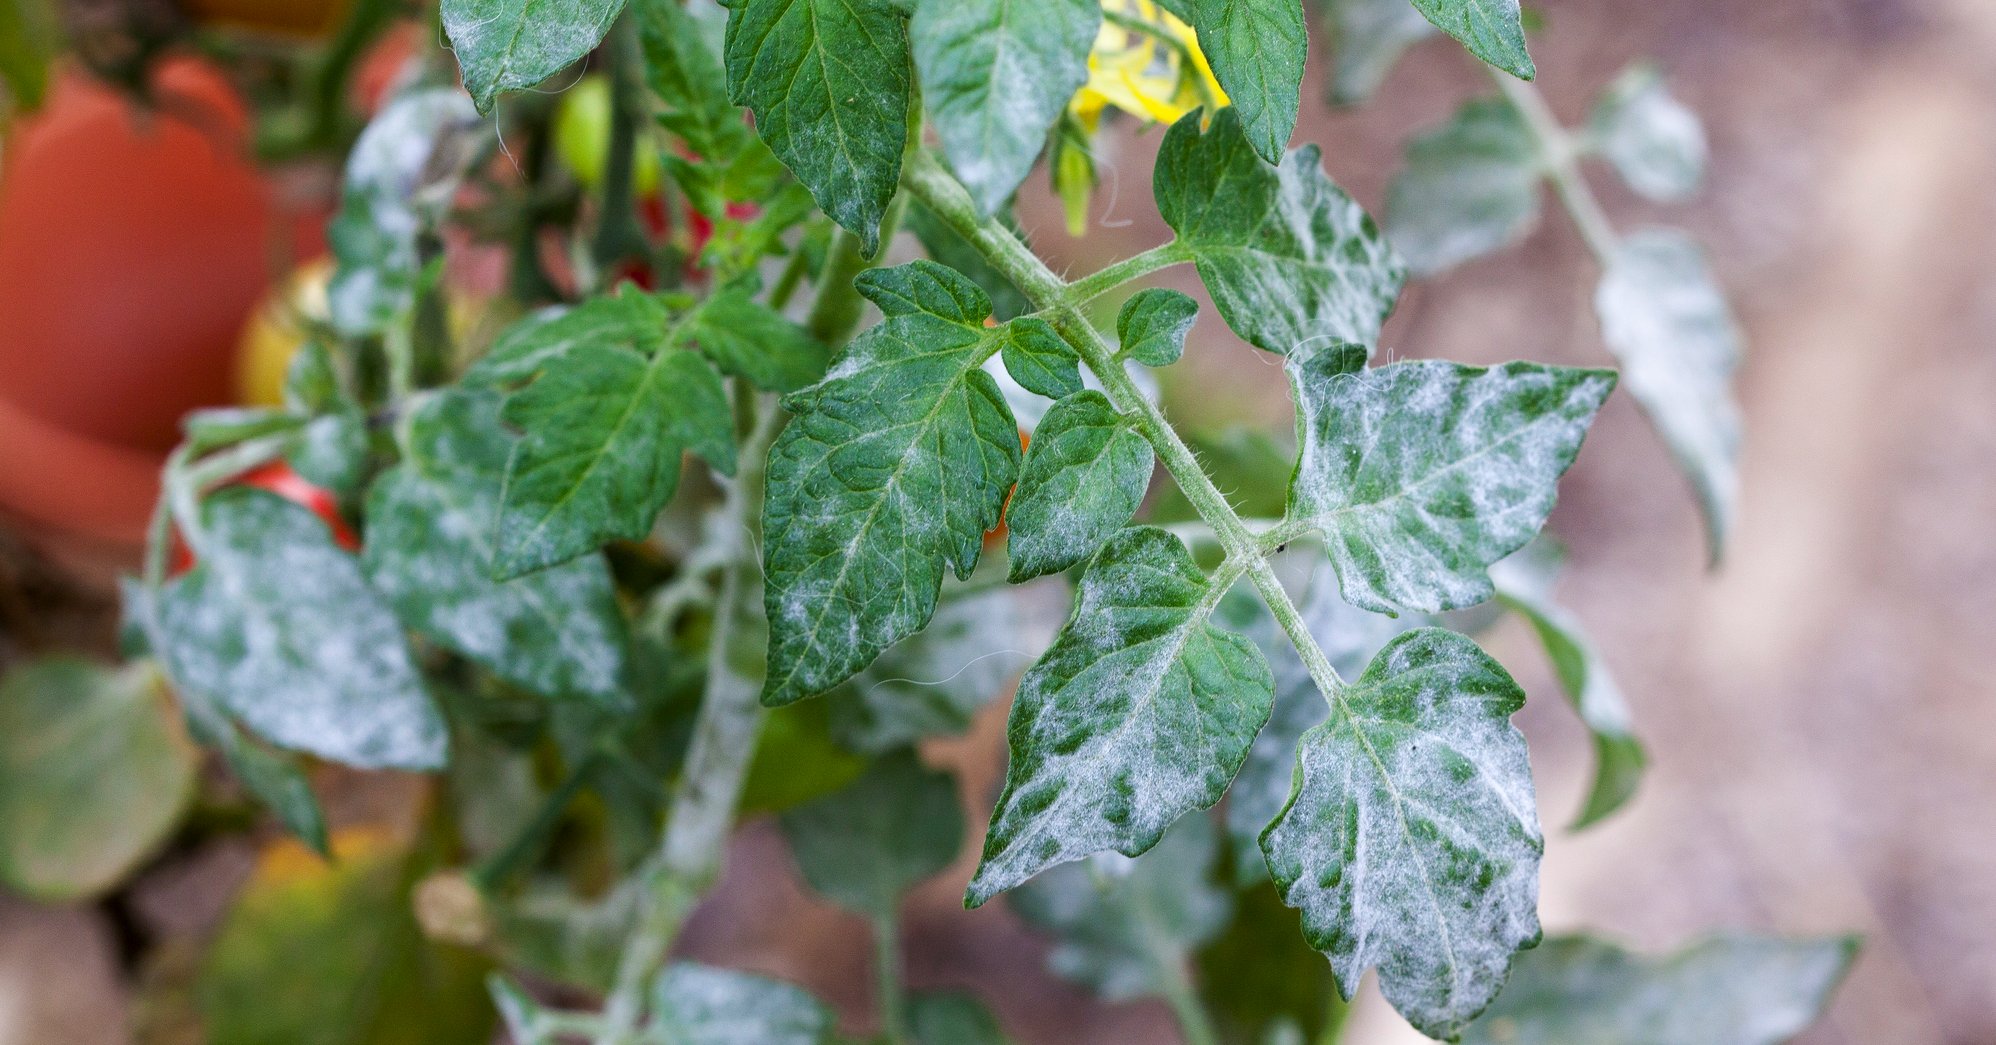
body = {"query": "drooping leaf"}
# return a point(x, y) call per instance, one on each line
point(1524, 583)
point(892, 470)
point(277, 625)
point(864, 847)
point(1141, 712)
point(751, 340)
point(1368, 37)
point(1728, 990)
point(828, 81)
point(1410, 841)
point(1469, 187)
point(429, 549)
point(702, 1005)
point(1124, 926)
point(933, 683)
point(1084, 477)
point(1257, 50)
point(1349, 637)
point(1422, 474)
point(337, 941)
point(1291, 261)
point(1152, 326)
point(952, 1018)
point(1654, 141)
point(1038, 359)
point(506, 45)
point(1664, 317)
point(400, 179)
point(1493, 30)
point(995, 76)
point(94, 774)
point(617, 401)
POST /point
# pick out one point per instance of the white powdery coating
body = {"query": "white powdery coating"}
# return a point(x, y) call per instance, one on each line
point(702, 1005)
point(278, 625)
point(1411, 841)
point(1665, 319)
point(1422, 474)
point(1084, 477)
point(506, 44)
point(1140, 713)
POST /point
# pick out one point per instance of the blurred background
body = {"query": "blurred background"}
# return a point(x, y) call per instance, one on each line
point(1820, 711)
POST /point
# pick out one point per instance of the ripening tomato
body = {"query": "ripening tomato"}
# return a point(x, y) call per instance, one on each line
point(278, 478)
point(132, 245)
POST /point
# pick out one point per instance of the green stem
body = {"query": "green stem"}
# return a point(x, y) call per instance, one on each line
point(1093, 286)
point(837, 306)
point(1560, 154)
point(688, 861)
point(617, 235)
point(887, 980)
point(398, 344)
point(1193, 1021)
point(926, 177)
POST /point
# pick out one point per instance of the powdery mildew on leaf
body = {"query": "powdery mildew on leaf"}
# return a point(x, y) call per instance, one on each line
point(1422, 474)
point(429, 549)
point(1728, 990)
point(1470, 187)
point(828, 81)
point(1084, 477)
point(892, 470)
point(1492, 30)
point(504, 45)
point(995, 76)
point(865, 846)
point(1141, 712)
point(1656, 143)
point(1411, 841)
point(696, 1004)
point(1664, 317)
point(1292, 262)
point(276, 624)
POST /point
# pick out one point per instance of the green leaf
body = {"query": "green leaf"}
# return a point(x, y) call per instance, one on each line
point(28, 42)
point(751, 340)
point(892, 469)
point(605, 425)
point(952, 1018)
point(1257, 49)
point(933, 683)
point(1084, 477)
point(276, 780)
point(334, 451)
point(1260, 980)
point(701, 1005)
point(796, 760)
point(1152, 326)
point(686, 77)
point(828, 83)
point(996, 75)
point(506, 45)
point(864, 847)
point(1469, 188)
point(1124, 926)
point(276, 624)
point(1493, 30)
point(1290, 260)
point(400, 180)
point(1349, 637)
point(1728, 990)
point(1367, 38)
point(1524, 583)
point(1654, 142)
point(1410, 841)
point(337, 941)
point(944, 245)
point(94, 774)
point(1141, 712)
point(1039, 359)
point(1664, 317)
point(1422, 474)
point(429, 549)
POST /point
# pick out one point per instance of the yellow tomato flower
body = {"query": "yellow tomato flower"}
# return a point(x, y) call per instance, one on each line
point(1155, 73)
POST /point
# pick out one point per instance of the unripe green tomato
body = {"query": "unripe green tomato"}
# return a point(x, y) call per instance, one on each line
point(582, 138)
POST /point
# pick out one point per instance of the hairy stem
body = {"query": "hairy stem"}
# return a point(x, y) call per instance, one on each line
point(1096, 284)
point(688, 860)
point(1560, 155)
point(887, 980)
point(926, 177)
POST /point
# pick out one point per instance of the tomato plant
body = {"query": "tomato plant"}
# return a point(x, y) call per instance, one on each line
point(730, 516)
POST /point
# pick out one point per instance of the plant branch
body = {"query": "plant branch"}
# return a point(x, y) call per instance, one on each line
point(887, 980)
point(927, 178)
point(688, 860)
point(1560, 153)
point(1096, 284)
point(837, 306)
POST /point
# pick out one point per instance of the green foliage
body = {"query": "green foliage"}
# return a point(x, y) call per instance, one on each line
point(1257, 52)
point(1151, 328)
point(1470, 188)
point(1084, 477)
point(951, 1018)
point(1493, 30)
point(94, 774)
point(505, 45)
point(866, 846)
